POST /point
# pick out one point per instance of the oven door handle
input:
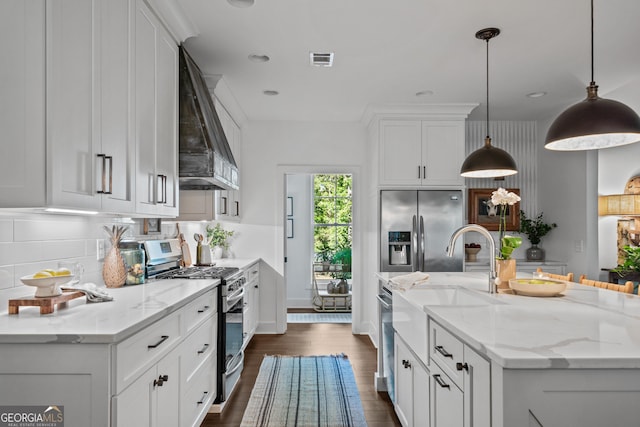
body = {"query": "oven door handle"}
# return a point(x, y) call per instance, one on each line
point(234, 299)
point(383, 302)
point(238, 365)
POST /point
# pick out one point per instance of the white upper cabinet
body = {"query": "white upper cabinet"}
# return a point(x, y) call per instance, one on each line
point(22, 111)
point(156, 116)
point(421, 152)
point(74, 62)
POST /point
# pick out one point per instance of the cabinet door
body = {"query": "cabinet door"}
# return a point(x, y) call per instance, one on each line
point(442, 152)
point(135, 405)
point(145, 83)
point(73, 98)
point(404, 380)
point(477, 390)
point(228, 201)
point(167, 121)
point(156, 117)
point(116, 132)
point(22, 85)
point(447, 400)
point(400, 152)
point(168, 394)
point(421, 393)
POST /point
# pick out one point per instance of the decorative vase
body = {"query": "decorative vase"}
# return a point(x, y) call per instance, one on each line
point(114, 272)
point(534, 253)
point(471, 254)
point(506, 270)
point(217, 252)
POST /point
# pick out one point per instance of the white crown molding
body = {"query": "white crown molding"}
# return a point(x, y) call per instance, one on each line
point(173, 17)
point(418, 111)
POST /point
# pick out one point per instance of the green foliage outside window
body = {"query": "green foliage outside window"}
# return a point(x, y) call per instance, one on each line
point(332, 218)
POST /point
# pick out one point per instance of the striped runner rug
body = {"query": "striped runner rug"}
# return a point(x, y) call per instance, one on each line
point(305, 391)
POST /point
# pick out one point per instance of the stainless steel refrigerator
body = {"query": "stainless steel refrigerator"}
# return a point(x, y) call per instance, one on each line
point(415, 227)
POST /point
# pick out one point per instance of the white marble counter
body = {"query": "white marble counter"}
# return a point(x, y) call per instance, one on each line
point(241, 263)
point(585, 328)
point(132, 309)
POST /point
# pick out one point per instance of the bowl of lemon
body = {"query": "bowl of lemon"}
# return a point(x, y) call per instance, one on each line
point(48, 281)
point(538, 287)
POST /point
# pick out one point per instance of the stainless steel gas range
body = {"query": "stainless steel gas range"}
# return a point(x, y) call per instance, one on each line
point(163, 262)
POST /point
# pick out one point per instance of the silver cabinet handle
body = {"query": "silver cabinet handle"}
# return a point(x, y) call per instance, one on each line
point(164, 188)
point(161, 380)
point(461, 366)
point(237, 208)
point(406, 364)
point(440, 382)
point(440, 349)
point(203, 309)
point(418, 171)
point(424, 172)
point(203, 349)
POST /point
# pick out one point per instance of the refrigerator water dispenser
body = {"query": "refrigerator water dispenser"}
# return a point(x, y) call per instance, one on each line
point(399, 247)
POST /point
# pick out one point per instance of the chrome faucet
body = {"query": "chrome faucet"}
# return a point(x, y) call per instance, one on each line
point(492, 249)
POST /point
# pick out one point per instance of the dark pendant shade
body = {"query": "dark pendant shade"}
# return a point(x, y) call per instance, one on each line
point(592, 124)
point(488, 162)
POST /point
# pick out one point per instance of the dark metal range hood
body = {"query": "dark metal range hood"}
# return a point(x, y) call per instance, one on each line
point(206, 161)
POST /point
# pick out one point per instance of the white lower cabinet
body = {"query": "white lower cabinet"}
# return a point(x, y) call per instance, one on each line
point(176, 356)
point(461, 386)
point(153, 399)
point(411, 387)
point(251, 312)
point(447, 400)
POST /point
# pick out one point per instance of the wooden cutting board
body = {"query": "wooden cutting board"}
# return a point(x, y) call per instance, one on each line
point(186, 252)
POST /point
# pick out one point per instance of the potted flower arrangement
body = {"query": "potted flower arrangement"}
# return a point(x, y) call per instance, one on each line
point(217, 239)
point(629, 268)
point(506, 266)
point(535, 229)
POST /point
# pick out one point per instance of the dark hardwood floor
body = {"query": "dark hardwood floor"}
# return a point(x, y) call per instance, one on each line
point(312, 339)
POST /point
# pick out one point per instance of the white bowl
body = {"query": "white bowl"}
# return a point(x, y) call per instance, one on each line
point(538, 287)
point(46, 286)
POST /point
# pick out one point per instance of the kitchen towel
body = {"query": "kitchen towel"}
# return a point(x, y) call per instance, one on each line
point(93, 292)
point(407, 281)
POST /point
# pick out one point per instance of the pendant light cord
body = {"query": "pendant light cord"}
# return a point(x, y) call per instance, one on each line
point(592, 50)
point(487, 40)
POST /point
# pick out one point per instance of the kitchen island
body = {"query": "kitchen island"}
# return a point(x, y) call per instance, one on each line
point(509, 360)
point(145, 358)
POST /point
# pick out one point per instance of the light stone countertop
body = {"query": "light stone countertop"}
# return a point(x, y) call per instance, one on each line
point(133, 308)
point(585, 328)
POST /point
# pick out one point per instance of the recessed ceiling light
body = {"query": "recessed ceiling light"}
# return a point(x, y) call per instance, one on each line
point(271, 92)
point(241, 3)
point(536, 94)
point(258, 58)
point(424, 93)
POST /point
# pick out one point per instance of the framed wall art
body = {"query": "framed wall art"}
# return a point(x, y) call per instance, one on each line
point(151, 226)
point(482, 211)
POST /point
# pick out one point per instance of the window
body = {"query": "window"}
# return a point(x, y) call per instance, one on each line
point(332, 218)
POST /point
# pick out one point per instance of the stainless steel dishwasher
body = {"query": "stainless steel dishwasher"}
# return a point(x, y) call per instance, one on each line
point(385, 349)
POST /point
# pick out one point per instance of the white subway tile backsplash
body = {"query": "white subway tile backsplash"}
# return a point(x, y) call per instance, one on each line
point(6, 277)
point(6, 230)
point(56, 228)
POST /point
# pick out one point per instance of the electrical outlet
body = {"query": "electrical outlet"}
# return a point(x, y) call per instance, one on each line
point(579, 245)
point(100, 249)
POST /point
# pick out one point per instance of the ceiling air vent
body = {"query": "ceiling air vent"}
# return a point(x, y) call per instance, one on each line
point(321, 59)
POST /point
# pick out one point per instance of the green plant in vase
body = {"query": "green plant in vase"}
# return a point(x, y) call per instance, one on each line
point(218, 237)
point(505, 265)
point(535, 229)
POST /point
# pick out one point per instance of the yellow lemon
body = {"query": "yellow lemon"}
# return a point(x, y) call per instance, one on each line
point(62, 272)
point(49, 270)
point(41, 274)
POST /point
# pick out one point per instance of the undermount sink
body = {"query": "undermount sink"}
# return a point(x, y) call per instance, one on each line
point(440, 295)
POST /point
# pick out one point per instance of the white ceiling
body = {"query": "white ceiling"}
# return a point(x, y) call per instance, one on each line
point(387, 50)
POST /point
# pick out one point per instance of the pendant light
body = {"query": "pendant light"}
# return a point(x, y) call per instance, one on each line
point(594, 122)
point(488, 161)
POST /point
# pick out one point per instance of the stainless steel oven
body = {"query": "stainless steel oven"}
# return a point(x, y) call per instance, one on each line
point(163, 262)
point(386, 359)
point(230, 336)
